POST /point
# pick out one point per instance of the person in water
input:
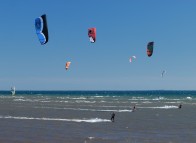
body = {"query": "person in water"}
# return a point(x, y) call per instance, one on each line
point(134, 108)
point(180, 106)
point(112, 117)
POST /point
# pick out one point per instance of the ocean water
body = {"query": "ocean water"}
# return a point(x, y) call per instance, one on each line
point(84, 117)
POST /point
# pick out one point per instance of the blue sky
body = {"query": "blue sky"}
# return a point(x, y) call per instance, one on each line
point(123, 29)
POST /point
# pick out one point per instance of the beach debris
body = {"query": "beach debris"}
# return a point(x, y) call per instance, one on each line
point(42, 29)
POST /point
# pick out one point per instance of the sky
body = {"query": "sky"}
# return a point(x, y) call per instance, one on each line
point(123, 29)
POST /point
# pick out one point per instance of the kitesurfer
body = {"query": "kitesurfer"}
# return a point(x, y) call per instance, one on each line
point(180, 106)
point(134, 108)
point(112, 117)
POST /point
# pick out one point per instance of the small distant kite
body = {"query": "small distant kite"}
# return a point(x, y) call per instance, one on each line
point(163, 72)
point(150, 47)
point(132, 58)
point(67, 65)
point(92, 34)
point(41, 29)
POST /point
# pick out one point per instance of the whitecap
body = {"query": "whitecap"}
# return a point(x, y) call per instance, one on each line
point(99, 96)
point(84, 101)
point(146, 102)
point(91, 138)
point(188, 97)
point(161, 107)
point(92, 120)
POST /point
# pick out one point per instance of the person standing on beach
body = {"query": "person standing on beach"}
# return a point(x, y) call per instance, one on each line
point(112, 117)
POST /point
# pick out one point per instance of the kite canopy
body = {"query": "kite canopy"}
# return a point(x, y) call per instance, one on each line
point(92, 34)
point(132, 58)
point(67, 65)
point(41, 29)
point(150, 49)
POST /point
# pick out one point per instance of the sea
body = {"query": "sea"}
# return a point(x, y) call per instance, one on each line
point(85, 116)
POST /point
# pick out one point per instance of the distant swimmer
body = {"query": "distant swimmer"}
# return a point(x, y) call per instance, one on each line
point(112, 117)
point(180, 106)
